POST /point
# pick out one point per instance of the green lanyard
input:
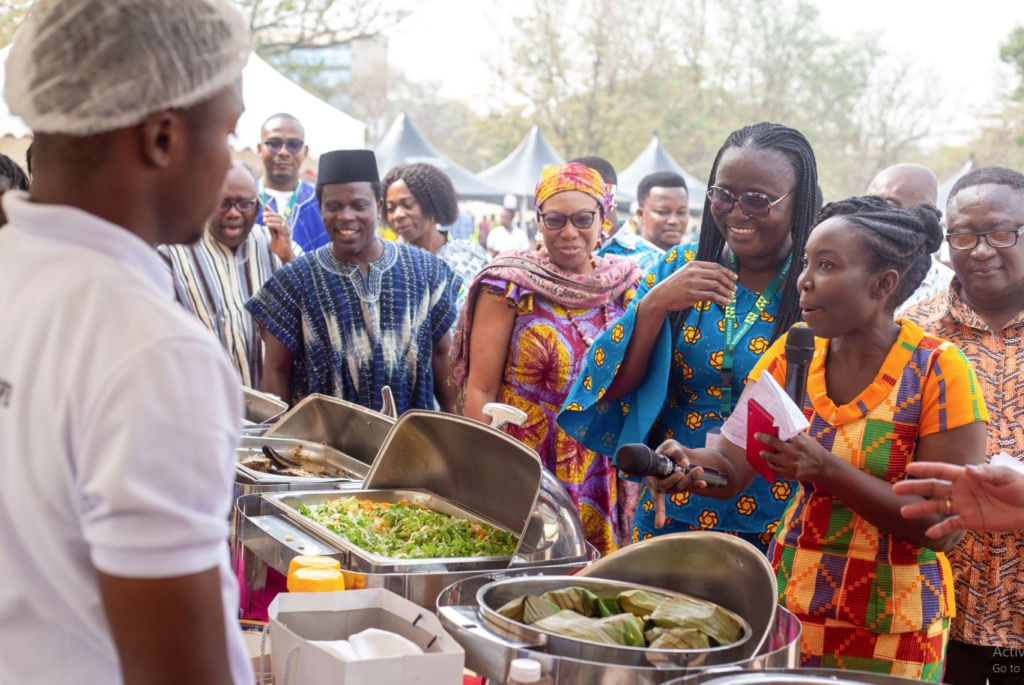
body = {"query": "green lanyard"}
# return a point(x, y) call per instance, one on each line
point(265, 198)
point(753, 315)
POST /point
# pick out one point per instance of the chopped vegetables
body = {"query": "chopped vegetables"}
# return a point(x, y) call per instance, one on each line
point(408, 530)
point(636, 618)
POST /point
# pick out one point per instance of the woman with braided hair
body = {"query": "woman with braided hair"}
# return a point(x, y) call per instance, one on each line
point(417, 197)
point(11, 178)
point(675, 365)
point(871, 588)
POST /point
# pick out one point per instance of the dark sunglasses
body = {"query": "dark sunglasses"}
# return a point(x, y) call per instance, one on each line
point(754, 205)
point(996, 239)
point(241, 205)
point(555, 221)
point(293, 145)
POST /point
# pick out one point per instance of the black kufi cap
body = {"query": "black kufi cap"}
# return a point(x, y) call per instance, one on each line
point(347, 166)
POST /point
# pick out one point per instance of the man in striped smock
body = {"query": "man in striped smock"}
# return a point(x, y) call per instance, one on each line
point(216, 275)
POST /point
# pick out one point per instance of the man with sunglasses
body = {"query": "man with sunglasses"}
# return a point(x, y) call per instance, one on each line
point(904, 186)
point(287, 200)
point(982, 313)
point(216, 275)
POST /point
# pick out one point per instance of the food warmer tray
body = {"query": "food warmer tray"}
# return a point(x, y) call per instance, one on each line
point(733, 577)
point(496, 594)
point(261, 407)
point(354, 558)
point(352, 469)
point(794, 676)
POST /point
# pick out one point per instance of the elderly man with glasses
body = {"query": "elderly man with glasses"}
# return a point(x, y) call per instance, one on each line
point(982, 313)
point(288, 201)
point(216, 275)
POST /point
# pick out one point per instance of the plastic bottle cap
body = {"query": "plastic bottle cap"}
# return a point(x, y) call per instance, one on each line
point(312, 562)
point(316, 580)
point(524, 671)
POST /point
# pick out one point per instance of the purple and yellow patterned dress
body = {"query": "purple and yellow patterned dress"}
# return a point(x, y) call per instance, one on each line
point(545, 356)
point(868, 600)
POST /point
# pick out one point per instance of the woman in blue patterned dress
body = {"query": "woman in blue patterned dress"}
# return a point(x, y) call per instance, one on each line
point(674, 365)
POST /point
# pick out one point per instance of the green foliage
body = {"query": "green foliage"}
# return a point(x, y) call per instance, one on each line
point(1012, 52)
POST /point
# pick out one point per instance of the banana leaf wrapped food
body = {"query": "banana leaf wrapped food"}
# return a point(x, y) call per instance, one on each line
point(677, 638)
point(528, 609)
point(640, 602)
point(621, 630)
point(708, 618)
point(578, 599)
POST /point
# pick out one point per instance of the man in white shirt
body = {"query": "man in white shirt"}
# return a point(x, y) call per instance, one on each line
point(118, 411)
point(507, 236)
point(905, 186)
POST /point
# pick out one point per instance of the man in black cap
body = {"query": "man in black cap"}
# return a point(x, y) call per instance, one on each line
point(359, 313)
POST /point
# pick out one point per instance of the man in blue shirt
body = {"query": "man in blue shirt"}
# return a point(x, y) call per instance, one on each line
point(617, 238)
point(284, 197)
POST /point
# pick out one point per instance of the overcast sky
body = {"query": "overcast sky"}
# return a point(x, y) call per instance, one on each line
point(449, 41)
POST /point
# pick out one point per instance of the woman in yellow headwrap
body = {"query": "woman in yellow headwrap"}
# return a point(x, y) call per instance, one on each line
point(523, 343)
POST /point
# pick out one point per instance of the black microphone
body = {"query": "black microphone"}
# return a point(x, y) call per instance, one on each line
point(640, 461)
point(799, 351)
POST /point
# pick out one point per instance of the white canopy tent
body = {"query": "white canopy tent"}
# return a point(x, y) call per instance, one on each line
point(267, 92)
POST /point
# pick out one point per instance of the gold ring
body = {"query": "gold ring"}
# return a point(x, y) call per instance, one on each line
point(949, 507)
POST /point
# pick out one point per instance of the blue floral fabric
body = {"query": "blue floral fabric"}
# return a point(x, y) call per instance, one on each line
point(680, 398)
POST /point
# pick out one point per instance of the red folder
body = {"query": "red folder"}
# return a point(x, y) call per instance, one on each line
point(759, 421)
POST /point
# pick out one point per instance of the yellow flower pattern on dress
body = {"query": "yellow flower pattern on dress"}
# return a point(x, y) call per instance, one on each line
point(781, 490)
point(625, 407)
point(618, 332)
point(688, 255)
point(769, 533)
point(708, 519)
point(587, 382)
point(713, 390)
point(651, 279)
point(694, 421)
point(670, 434)
point(672, 256)
point(574, 406)
point(599, 356)
point(758, 345)
point(691, 334)
point(679, 499)
point(716, 360)
point(746, 505)
point(767, 317)
point(703, 306)
point(687, 372)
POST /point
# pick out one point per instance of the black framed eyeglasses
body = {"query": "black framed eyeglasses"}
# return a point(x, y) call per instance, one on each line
point(754, 205)
point(241, 205)
point(293, 145)
point(996, 239)
point(556, 221)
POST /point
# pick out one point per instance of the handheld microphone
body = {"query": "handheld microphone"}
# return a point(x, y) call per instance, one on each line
point(640, 461)
point(799, 351)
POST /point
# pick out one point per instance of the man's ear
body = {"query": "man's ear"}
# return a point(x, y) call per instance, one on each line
point(162, 137)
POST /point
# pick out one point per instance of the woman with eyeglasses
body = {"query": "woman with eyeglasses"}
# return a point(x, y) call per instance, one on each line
point(417, 197)
point(873, 591)
point(524, 333)
point(675, 364)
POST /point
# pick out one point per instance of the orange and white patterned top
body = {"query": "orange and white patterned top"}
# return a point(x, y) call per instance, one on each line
point(988, 568)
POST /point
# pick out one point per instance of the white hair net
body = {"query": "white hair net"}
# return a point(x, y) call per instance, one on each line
point(80, 67)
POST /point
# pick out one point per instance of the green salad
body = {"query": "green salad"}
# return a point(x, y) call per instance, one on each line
point(406, 530)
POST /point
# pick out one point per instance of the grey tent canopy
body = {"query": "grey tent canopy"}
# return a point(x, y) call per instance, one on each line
point(518, 173)
point(404, 144)
point(656, 158)
point(948, 184)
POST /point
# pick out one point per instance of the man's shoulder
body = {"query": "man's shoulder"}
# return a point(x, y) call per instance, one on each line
point(931, 312)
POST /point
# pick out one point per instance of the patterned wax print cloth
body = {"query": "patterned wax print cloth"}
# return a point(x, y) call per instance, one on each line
point(988, 568)
point(351, 335)
point(832, 564)
point(681, 399)
point(465, 259)
point(544, 357)
point(214, 282)
point(304, 216)
point(626, 243)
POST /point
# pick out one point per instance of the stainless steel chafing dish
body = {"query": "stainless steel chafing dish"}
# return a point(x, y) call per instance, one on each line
point(261, 407)
point(707, 565)
point(792, 676)
point(481, 471)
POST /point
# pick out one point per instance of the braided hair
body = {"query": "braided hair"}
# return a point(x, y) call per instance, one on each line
point(898, 239)
point(432, 189)
point(13, 173)
point(793, 144)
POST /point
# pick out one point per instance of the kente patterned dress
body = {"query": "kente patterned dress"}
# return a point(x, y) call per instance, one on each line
point(352, 336)
point(681, 399)
point(868, 600)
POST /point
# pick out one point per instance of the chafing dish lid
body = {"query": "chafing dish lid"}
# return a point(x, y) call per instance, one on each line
point(476, 467)
point(349, 428)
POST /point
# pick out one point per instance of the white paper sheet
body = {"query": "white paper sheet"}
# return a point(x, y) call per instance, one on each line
point(789, 419)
